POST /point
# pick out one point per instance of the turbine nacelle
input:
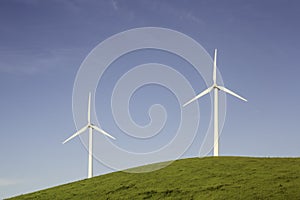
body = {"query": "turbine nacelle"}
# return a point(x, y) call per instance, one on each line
point(214, 86)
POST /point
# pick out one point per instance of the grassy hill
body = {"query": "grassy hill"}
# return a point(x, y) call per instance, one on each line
point(194, 178)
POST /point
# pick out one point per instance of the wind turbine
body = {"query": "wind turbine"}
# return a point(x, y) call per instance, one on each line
point(216, 89)
point(90, 127)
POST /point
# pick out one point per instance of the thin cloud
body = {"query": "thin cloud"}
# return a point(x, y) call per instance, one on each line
point(191, 17)
point(9, 182)
point(167, 9)
point(30, 63)
point(115, 5)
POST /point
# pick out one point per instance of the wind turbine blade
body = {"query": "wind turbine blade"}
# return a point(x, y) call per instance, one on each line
point(75, 134)
point(215, 68)
point(231, 92)
point(198, 96)
point(89, 108)
point(102, 131)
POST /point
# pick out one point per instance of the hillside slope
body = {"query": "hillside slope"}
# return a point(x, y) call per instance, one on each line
point(194, 178)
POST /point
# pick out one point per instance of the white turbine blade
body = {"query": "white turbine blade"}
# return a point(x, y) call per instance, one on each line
point(75, 134)
point(89, 108)
point(102, 131)
point(215, 68)
point(198, 96)
point(232, 93)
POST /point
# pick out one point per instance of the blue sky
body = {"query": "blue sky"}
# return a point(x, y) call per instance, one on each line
point(43, 43)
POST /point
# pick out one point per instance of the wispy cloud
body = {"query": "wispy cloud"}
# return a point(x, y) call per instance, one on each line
point(115, 5)
point(188, 15)
point(164, 8)
point(30, 63)
point(9, 182)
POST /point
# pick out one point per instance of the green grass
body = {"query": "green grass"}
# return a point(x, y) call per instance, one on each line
point(194, 178)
